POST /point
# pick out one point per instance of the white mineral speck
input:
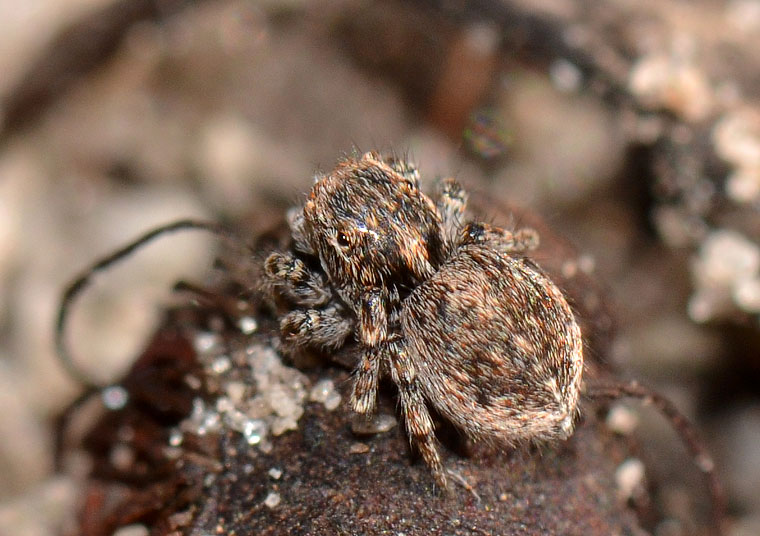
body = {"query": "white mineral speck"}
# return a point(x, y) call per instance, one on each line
point(747, 295)
point(247, 325)
point(358, 448)
point(622, 420)
point(221, 364)
point(254, 431)
point(224, 404)
point(132, 530)
point(281, 400)
point(629, 478)
point(193, 382)
point(258, 408)
point(236, 419)
point(377, 424)
point(273, 499)
point(333, 401)
point(725, 271)
point(704, 305)
point(236, 391)
point(210, 423)
point(280, 425)
point(727, 256)
point(275, 473)
point(737, 138)
point(321, 390)
point(175, 437)
point(199, 408)
point(205, 341)
point(115, 397)
point(672, 82)
point(202, 420)
point(743, 185)
point(324, 392)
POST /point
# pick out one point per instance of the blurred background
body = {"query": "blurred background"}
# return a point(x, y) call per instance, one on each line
point(631, 128)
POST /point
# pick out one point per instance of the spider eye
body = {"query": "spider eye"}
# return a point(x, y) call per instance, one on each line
point(343, 240)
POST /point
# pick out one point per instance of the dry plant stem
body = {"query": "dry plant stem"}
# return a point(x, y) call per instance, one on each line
point(81, 282)
point(686, 431)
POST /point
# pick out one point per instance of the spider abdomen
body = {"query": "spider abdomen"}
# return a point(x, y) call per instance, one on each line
point(496, 346)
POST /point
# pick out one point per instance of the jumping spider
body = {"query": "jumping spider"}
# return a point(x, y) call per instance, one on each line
point(449, 309)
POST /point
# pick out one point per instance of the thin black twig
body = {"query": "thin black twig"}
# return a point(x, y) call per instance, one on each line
point(81, 282)
point(686, 431)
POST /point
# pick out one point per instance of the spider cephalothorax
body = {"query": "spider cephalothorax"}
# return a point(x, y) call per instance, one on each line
point(372, 228)
point(451, 309)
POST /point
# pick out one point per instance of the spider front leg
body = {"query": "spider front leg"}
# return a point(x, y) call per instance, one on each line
point(326, 328)
point(372, 332)
point(292, 277)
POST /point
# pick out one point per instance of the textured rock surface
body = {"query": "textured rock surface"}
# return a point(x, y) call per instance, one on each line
point(632, 127)
point(161, 463)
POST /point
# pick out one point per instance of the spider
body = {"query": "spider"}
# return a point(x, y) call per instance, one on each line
point(451, 310)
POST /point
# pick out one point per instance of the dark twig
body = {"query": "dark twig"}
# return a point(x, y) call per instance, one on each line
point(686, 431)
point(81, 282)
